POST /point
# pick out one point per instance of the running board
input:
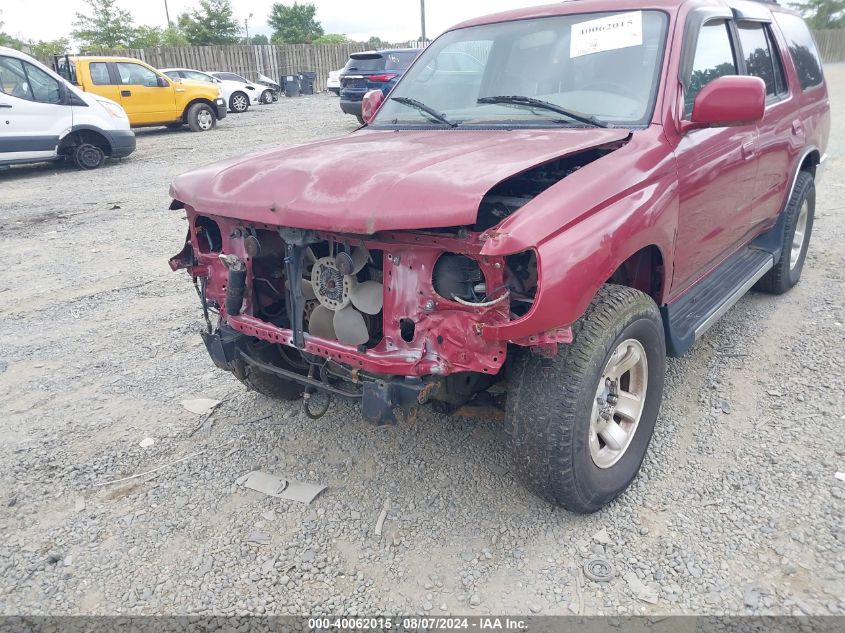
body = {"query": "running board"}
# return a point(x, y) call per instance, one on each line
point(688, 318)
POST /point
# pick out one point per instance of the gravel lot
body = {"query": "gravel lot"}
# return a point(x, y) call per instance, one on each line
point(737, 509)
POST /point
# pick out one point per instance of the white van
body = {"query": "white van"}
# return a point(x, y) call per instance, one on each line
point(43, 118)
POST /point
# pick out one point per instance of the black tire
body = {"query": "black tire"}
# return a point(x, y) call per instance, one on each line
point(198, 117)
point(267, 97)
point(550, 402)
point(263, 382)
point(785, 274)
point(239, 102)
point(87, 156)
point(175, 126)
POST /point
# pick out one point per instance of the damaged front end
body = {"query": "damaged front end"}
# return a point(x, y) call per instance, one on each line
point(392, 320)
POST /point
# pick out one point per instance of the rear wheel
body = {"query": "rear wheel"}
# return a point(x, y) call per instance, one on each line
point(579, 423)
point(201, 118)
point(798, 227)
point(239, 102)
point(264, 382)
point(87, 156)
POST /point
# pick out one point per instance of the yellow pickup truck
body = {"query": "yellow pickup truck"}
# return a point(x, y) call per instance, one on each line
point(149, 97)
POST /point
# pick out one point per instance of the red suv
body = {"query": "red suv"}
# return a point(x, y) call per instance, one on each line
point(584, 191)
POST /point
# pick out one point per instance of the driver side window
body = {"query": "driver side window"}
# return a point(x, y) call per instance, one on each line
point(136, 75)
point(714, 58)
point(25, 81)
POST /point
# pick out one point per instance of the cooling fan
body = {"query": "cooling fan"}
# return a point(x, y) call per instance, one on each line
point(343, 299)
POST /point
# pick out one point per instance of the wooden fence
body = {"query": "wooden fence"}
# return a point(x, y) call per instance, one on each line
point(831, 45)
point(276, 61)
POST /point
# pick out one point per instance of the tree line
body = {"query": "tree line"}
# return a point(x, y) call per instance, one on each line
point(106, 25)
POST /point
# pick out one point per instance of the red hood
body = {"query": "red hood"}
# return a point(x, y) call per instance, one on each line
point(377, 180)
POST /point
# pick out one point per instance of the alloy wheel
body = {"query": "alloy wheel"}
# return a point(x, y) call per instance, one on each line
point(618, 405)
point(799, 236)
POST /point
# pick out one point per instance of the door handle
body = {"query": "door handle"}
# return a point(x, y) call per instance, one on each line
point(5, 105)
point(797, 127)
point(180, 90)
point(125, 93)
point(748, 150)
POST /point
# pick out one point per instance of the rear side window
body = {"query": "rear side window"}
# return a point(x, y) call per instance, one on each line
point(99, 74)
point(761, 57)
point(714, 58)
point(802, 49)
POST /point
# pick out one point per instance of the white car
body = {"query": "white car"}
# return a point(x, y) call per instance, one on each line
point(333, 82)
point(45, 118)
point(257, 92)
point(238, 93)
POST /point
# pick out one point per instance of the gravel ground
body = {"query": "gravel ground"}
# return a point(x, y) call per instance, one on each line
point(737, 509)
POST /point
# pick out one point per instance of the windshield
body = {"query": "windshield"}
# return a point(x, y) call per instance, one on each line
point(603, 66)
point(230, 77)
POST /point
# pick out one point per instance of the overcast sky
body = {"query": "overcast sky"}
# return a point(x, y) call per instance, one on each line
point(392, 20)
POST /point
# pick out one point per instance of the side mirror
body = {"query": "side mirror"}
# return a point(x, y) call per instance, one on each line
point(728, 101)
point(370, 105)
point(161, 82)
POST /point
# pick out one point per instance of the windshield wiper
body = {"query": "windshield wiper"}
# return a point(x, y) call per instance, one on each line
point(545, 105)
point(419, 105)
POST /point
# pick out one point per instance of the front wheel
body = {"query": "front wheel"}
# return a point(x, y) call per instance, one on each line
point(579, 423)
point(266, 97)
point(87, 156)
point(201, 118)
point(239, 102)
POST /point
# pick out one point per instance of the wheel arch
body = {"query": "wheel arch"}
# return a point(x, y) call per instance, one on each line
point(80, 134)
point(193, 102)
point(644, 270)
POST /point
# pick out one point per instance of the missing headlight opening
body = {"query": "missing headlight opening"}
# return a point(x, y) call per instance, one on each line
point(510, 195)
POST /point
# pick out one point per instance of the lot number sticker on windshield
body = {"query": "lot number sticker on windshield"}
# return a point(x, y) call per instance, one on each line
point(622, 30)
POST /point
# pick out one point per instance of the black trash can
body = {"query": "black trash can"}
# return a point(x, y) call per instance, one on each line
point(309, 78)
point(292, 87)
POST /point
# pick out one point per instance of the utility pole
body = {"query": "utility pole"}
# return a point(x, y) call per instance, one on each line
point(422, 19)
point(246, 27)
point(167, 13)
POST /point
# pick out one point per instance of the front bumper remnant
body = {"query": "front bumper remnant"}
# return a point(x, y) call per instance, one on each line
point(378, 397)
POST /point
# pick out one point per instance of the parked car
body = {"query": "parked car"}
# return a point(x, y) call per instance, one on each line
point(256, 92)
point(235, 93)
point(609, 181)
point(333, 81)
point(149, 97)
point(274, 89)
point(44, 118)
point(373, 70)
